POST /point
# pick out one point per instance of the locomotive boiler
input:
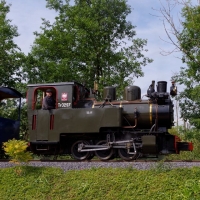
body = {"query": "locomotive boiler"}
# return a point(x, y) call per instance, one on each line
point(83, 127)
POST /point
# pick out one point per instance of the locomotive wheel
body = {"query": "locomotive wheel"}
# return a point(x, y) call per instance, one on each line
point(91, 156)
point(125, 156)
point(104, 154)
point(79, 155)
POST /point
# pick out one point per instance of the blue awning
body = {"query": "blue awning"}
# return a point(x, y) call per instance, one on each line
point(6, 92)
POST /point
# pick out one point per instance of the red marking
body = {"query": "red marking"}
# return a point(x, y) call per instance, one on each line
point(51, 122)
point(190, 146)
point(34, 122)
point(176, 140)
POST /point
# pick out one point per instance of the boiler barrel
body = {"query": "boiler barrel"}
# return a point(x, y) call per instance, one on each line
point(147, 115)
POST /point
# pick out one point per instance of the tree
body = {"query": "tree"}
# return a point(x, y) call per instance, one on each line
point(89, 41)
point(187, 40)
point(11, 64)
point(10, 56)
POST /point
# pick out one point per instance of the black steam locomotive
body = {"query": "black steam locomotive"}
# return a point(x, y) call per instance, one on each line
point(83, 127)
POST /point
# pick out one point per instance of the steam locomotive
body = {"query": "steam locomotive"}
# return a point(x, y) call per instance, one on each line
point(83, 127)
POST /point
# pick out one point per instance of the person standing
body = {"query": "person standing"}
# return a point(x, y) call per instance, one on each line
point(48, 101)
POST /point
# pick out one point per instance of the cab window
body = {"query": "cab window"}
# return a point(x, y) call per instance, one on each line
point(39, 95)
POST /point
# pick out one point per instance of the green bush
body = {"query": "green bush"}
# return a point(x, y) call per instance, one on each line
point(17, 151)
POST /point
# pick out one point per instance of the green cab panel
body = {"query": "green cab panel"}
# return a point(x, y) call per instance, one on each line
point(47, 125)
point(86, 120)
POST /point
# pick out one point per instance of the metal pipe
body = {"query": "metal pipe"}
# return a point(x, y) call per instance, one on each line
point(135, 151)
point(152, 128)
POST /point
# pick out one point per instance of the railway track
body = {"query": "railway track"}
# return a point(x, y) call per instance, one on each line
point(109, 161)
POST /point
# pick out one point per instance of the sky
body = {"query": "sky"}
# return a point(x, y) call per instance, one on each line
point(27, 14)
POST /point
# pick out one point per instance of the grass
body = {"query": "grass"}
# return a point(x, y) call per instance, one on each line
point(40, 183)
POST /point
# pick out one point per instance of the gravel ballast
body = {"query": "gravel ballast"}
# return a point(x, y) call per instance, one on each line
point(88, 165)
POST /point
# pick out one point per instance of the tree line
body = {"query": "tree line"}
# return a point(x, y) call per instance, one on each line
point(92, 40)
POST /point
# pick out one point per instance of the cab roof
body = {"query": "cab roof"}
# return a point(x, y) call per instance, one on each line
point(54, 84)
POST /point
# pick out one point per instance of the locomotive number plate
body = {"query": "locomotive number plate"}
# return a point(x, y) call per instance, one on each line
point(64, 105)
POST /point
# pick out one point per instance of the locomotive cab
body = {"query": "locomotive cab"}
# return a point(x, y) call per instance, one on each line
point(45, 125)
point(66, 95)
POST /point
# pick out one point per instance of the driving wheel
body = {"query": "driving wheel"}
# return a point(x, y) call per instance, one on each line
point(79, 155)
point(104, 154)
point(125, 155)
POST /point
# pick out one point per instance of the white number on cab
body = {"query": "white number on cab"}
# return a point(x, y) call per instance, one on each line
point(64, 105)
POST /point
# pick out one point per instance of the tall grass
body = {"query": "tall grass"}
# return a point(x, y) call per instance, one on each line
point(100, 183)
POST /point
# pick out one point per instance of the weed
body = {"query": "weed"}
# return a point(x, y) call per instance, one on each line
point(161, 166)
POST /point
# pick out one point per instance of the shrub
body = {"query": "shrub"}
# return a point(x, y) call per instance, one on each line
point(17, 151)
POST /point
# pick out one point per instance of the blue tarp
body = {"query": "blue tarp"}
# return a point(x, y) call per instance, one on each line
point(6, 92)
point(9, 128)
